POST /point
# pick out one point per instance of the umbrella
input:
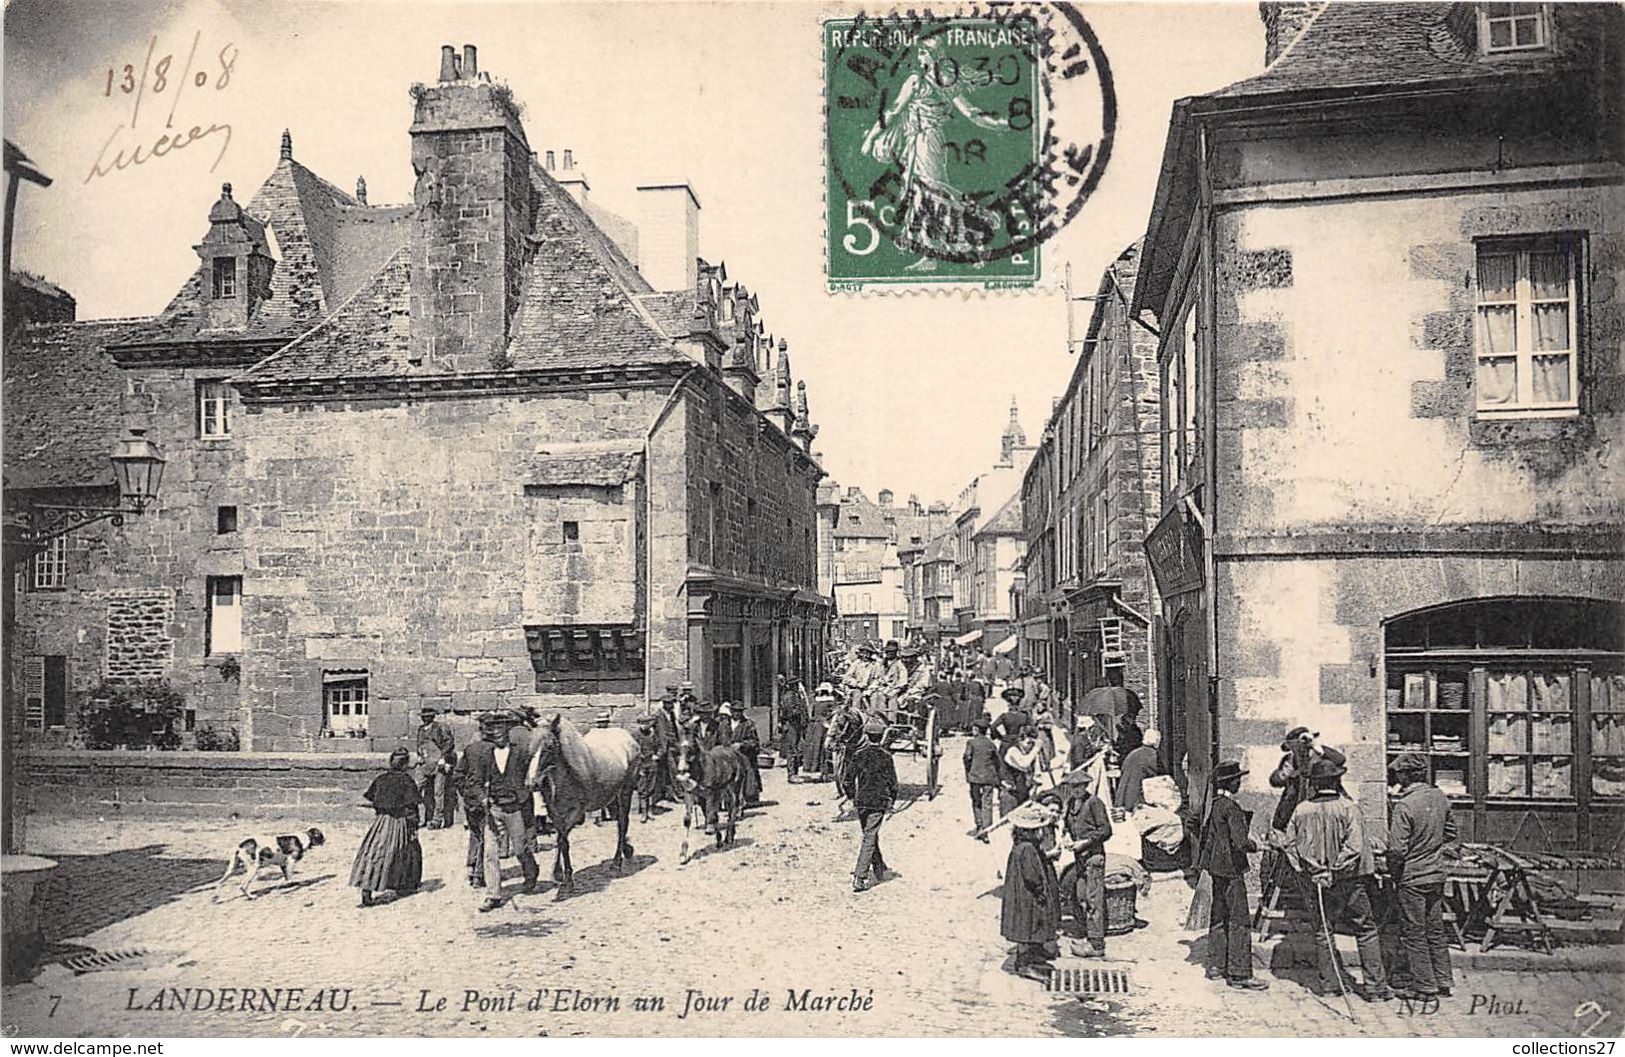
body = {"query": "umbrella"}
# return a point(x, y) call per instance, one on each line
point(1109, 701)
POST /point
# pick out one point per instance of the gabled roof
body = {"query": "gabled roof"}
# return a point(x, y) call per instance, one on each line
point(1359, 50)
point(860, 518)
point(63, 399)
point(1007, 522)
point(369, 335)
point(327, 246)
point(1353, 45)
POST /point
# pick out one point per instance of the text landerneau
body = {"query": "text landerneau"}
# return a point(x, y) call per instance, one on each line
point(694, 1002)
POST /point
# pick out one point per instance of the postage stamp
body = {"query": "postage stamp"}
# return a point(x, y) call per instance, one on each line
point(957, 144)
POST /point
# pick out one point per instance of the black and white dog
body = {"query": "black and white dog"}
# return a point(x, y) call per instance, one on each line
point(256, 853)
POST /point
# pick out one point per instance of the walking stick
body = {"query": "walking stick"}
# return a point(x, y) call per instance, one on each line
point(1331, 949)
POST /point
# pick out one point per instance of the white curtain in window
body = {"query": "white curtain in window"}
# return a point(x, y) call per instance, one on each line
point(1497, 277)
point(1551, 323)
point(1549, 275)
point(1498, 329)
point(1551, 378)
point(1497, 381)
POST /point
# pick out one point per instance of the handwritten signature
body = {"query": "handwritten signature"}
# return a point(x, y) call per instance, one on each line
point(110, 160)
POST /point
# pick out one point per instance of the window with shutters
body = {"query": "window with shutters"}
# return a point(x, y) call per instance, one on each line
point(45, 692)
point(1526, 327)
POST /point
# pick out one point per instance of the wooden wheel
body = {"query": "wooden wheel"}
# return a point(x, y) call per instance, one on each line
point(933, 753)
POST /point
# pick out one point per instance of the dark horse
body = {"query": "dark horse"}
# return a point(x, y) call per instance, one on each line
point(579, 774)
point(713, 779)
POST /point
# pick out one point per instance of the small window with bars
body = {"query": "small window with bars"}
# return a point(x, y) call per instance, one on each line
point(345, 703)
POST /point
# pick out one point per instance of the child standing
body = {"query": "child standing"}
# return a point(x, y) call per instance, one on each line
point(1030, 905)
point(390, 857)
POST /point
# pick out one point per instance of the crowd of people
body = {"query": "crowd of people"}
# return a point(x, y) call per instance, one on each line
point(1060, 777)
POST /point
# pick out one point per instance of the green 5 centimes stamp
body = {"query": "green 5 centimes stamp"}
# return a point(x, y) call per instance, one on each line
point(945, 162)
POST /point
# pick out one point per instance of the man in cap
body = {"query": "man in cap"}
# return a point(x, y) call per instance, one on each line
point(436, 754)
point(1326, 844)
point(893, 677)
point(1225, 847)
point(1291, 776)
point(871, 785)
point(686, 698)
point(743, 736)
point(1138, 765)
point(665, 733)
point(846, 731)
point(1088, 828)
point(982, 774)
point(1419, 828)
point(649, 764)
point(1088, 753)
point(491, 774)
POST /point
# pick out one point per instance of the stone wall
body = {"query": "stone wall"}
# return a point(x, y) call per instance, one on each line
point(400, 540)
point(170, 551)
point(303, 789)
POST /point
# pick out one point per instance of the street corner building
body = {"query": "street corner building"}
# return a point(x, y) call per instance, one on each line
point(1386, 273)
point(496, 447)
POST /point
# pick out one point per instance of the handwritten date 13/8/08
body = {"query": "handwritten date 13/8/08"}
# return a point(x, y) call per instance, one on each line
point(127, 80)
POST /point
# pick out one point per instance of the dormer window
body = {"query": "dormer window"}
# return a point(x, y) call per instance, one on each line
point(225, 277)
point(1512, 27)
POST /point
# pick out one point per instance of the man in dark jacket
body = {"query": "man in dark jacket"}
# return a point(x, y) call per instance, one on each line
point(1419, 828)
point(1138, 765)
point(871, 785)
point(1088, 828)
point(1225, 847)
point(793, 717)
point(742, 735)
point(1291, 776)
point(665, 730)
point(982, 774)
point(491, 775)
point(437, 755)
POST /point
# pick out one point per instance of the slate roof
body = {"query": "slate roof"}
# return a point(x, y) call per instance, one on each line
point(63, 404)
point(1007, 522)
point(600, 464)
point(369, 335)
point(327, 245)
point(1352, 45)
point(860, 518)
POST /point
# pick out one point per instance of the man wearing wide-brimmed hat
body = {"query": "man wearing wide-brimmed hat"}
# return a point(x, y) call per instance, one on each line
point(491, 776)
point(1419, 828)
point(1300, 747)
point(1326, 844)
point(871, 785)
point(1225, 847)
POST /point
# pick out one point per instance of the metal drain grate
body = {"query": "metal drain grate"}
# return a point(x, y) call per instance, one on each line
point(125, 958)
point(1092, 980)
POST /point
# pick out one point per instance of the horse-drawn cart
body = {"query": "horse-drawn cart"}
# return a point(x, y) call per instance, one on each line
point(911, 726)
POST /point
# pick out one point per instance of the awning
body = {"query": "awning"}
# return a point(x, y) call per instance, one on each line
point(968, 638)
point(1007, 646)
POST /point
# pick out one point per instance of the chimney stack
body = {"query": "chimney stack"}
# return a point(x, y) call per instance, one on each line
point(668, 236)
point(470, 70)
point(1283, 22)
point(287, 146)
point(549, 165)
point(572, 179)
point(361, 189)
point(886, 497)
point(473, 170)
point(569, 158)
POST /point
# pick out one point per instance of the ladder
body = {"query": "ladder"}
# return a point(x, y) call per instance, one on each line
point(1111, 642)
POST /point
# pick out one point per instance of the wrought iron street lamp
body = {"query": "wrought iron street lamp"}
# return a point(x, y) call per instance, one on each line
point(138, 466)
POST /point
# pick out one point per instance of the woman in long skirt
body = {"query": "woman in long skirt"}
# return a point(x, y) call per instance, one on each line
point(814, 761)
point(390, 857)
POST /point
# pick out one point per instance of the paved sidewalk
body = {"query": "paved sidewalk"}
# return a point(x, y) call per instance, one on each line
point(917, 955)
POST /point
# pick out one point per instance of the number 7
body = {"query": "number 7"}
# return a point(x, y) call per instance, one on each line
point(56, 1000)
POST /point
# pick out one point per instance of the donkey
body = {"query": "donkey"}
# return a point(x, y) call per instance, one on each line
point(579, 774)
point(713, 781)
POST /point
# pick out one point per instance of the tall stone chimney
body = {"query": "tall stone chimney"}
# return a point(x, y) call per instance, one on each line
point(668, 236)
point(473, 198)
point(1282, 24)
point(885, 498)
point(571, 178)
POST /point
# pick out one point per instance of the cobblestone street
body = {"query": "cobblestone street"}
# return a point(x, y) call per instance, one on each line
point(774, 912)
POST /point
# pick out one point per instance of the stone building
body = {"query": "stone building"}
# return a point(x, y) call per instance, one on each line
point(988, 542)
point(490, 448)
point(1089, 498)
point(869, 539)
point(1392, 395)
